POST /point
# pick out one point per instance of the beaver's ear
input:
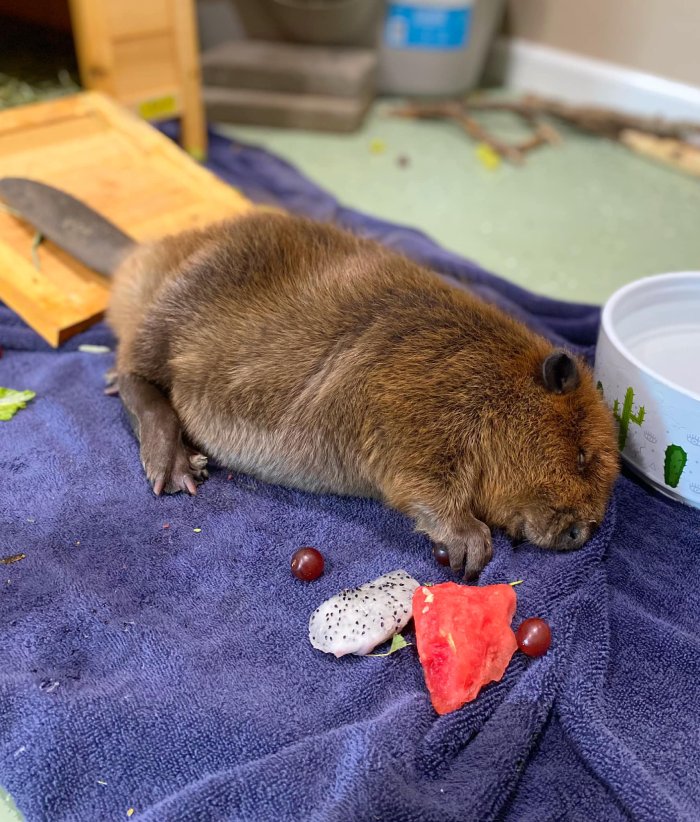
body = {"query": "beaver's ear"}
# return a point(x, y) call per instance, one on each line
point(560, 373)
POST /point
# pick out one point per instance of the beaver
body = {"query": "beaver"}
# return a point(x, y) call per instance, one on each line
point(309, 357)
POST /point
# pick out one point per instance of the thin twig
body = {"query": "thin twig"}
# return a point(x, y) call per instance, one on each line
point(478, 132)
point(603, 121)
point(680, 155)
point(544, 134)
point(457, 112)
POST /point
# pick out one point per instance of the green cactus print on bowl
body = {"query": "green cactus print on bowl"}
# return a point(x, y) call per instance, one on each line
point(627, 417)
point(674, 463)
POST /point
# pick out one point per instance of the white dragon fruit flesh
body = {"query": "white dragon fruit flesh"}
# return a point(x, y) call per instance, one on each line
point(355, 621)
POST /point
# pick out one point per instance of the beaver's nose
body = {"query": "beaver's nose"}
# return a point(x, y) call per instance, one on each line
point(573, 536)
point(574, 533)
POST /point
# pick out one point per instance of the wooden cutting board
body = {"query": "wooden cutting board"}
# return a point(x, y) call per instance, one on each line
point(122, 167)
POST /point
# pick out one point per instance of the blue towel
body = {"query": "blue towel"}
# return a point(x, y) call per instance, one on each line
point(154, 652)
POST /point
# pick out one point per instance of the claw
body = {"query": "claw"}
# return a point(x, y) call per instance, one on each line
point(198, 461)
point(158, 485)
point(190, 484)
point(470, 576)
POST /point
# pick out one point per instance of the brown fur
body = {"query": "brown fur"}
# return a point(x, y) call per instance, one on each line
point(308, 357)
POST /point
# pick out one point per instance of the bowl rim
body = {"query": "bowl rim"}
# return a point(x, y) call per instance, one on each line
point(612, 335)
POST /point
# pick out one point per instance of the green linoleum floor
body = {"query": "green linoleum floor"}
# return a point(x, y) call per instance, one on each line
point(8, 809)
point(576, 222)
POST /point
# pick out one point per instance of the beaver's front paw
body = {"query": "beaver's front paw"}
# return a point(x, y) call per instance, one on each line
point(470, 548)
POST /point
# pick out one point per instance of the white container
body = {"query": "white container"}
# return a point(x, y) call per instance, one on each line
point(435, 47)
point(648, 368)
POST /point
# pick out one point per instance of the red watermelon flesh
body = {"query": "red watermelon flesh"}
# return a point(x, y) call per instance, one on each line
point(464, 639)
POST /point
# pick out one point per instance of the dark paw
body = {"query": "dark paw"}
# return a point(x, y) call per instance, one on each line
point(173, 469)
point(472, 550)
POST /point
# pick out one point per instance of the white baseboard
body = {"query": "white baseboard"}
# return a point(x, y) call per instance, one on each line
point(529, 67)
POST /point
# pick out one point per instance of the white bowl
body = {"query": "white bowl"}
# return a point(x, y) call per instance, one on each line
point(648, 368)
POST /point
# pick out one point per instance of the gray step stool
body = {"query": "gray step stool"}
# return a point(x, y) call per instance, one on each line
point(290, 85)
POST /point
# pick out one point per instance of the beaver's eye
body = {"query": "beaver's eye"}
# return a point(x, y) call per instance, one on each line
point(581, 459)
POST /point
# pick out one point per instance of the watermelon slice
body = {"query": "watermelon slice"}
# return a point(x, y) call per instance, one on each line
point(464, 639)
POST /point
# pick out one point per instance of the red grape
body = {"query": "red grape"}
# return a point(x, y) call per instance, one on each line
point(441, 554)
point(534, 637)
point(307, 564)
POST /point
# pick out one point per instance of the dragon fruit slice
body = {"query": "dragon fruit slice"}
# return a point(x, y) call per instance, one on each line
point(356, 620)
